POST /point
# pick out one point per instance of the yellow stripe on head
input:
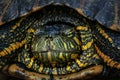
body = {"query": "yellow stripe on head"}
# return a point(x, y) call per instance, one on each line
point(77, 40)
point(88, 45)
point(31, 30)
point(85, 28)
point(30, 63)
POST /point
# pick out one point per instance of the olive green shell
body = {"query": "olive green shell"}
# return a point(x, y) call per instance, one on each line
point(106, 12)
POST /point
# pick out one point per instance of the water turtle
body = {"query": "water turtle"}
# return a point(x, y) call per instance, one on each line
point(60, 39)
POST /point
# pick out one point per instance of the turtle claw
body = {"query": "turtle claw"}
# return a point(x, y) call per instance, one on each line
point(16, 71)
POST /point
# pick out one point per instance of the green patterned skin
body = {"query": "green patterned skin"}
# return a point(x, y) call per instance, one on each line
point(54, 45)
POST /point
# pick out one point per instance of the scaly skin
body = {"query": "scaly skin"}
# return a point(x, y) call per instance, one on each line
point(79, 51)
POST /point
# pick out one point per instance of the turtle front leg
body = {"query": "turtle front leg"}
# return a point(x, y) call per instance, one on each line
point(16, 71)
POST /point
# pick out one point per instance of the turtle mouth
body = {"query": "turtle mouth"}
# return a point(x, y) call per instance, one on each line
point(58, 58)
point(51, 50)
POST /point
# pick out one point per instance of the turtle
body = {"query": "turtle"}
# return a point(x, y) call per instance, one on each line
point(60, 39)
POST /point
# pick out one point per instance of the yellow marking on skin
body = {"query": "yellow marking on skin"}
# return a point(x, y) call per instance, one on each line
point(40, 56)
point(40, 68)
point(107, 59)
point(88, 55)
point(25, 46)
point(31, 62)
point(17, 24)
point(66, 54)
point(85, 28)
point(26, 59)
point(4, 52)
point(61, 56)
point(96, 56)
point(54, 71)
point(12, 47)
point(2, 36)
point(68, 68)
point(8, 50)
point(80, 64)
point(36, 47)
point(72, 46)
point(88, 45)
point(105, 35)
point(31, 30)
point(18, 57)
point(74, 56)
point(65, 46)
point(77, 40)
point(53, 46)
point(47, 71)
point(49, 56)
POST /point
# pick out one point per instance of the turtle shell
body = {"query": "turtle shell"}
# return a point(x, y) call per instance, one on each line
point(106, 12)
